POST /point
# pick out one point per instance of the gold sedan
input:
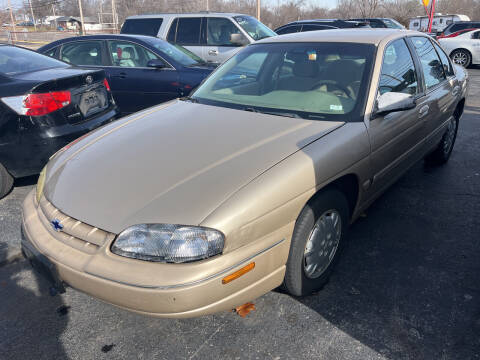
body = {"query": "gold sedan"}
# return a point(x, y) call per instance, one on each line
point(207, 202)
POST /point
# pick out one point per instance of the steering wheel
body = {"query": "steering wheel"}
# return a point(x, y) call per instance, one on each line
point(343, 89)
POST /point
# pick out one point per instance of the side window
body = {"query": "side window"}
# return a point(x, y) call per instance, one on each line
point(147, 26)
point(447, 65)
point(188, 31)
point(376, 24)
point(82, 53)
point(316, 27)
point(127, 54)
point(220, 31)
point(172, 33)
point(431, 64)
point(476, 35)
point(289, 29)
point(51, 52)
point(398, 70)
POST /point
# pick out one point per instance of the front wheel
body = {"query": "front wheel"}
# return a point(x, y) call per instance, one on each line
point(6, 181)
point(461, 57)
point(444, 149)
point(317, 242)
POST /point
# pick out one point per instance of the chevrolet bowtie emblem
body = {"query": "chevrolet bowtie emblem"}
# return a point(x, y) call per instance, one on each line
point(56, 224)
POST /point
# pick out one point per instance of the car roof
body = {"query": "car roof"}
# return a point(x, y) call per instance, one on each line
point(357, 35)
point(141, 38)
point(200, 13)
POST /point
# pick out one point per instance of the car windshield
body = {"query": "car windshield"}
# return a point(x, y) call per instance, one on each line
point(15, 60)
point(307, 80)
point(176, 52)
point(392, 24)
point(254, 28)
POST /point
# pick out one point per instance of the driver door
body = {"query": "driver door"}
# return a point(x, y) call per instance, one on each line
point(397, 138)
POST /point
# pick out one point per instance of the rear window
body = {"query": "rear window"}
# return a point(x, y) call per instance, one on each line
point(15, 60)
point(148, 26)
point(185, 31)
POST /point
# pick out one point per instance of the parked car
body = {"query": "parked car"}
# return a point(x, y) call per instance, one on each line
point(142, 70)
point(205, 203)
point(44, 105)
point(380, 23)
point(320, 24)
point(26, 23)
point(213, 36)
point(464, 49)
point(452, 35)
point(457, 26)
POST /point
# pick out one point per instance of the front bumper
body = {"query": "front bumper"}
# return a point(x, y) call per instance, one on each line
point(162, 290)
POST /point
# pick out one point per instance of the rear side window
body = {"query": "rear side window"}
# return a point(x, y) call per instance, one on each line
point(15, 60)
point(289, 29)
point(187, 31)
point(398, 71)
point(376, 24)
point(447, 65)
point(476, 35)
point(82, 53)
point(316, 27)
point(148, 26)
point(431, 64)
point(51, 52)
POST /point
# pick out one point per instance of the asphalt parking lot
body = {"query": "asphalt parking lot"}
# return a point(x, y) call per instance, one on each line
point(407, 287)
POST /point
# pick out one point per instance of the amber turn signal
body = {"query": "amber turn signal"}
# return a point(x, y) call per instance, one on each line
point(238, 273)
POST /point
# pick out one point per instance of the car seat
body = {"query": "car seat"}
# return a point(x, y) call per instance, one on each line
point(128, 55)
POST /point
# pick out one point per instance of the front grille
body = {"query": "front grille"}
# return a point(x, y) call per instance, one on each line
point(74, 233)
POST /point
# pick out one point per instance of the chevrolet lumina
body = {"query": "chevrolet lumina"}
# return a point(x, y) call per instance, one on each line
point(207, 202)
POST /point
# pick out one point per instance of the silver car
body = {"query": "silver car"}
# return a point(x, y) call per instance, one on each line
point(214, 37)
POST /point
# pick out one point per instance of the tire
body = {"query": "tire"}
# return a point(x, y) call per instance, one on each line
point(461, 57)
point(6, 182)
point(301, 277)
point(442, 153)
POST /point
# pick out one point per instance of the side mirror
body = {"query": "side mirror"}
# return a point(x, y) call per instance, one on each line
point(238, 39)
point(393, 102)
point(156, 64)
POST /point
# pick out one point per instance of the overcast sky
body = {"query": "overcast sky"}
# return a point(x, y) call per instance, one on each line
point(325, 3)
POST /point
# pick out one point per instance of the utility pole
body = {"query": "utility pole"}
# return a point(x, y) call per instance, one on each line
point(54, 16)
point(114, 17)
point(11, 18)
point(258, 10)
point(81, 16)
point(33, 17)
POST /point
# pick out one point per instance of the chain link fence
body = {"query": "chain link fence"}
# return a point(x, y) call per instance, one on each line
point(35, 39)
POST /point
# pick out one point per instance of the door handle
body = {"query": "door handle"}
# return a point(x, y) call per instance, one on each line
point(121, 75)
point(423, 111)
point(213, 52)
point(456, 90)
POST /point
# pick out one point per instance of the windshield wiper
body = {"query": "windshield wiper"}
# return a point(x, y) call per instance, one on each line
point(278, 113)
point(189, 98)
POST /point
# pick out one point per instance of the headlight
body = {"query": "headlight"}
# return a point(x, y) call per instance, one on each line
point(40, 184)
point(168, 243)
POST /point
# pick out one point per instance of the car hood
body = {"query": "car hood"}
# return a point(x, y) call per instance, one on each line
point(174, 163)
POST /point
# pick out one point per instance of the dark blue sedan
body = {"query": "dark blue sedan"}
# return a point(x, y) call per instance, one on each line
point(142, 71)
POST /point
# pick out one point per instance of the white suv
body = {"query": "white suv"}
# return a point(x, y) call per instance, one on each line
point(213, 36)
